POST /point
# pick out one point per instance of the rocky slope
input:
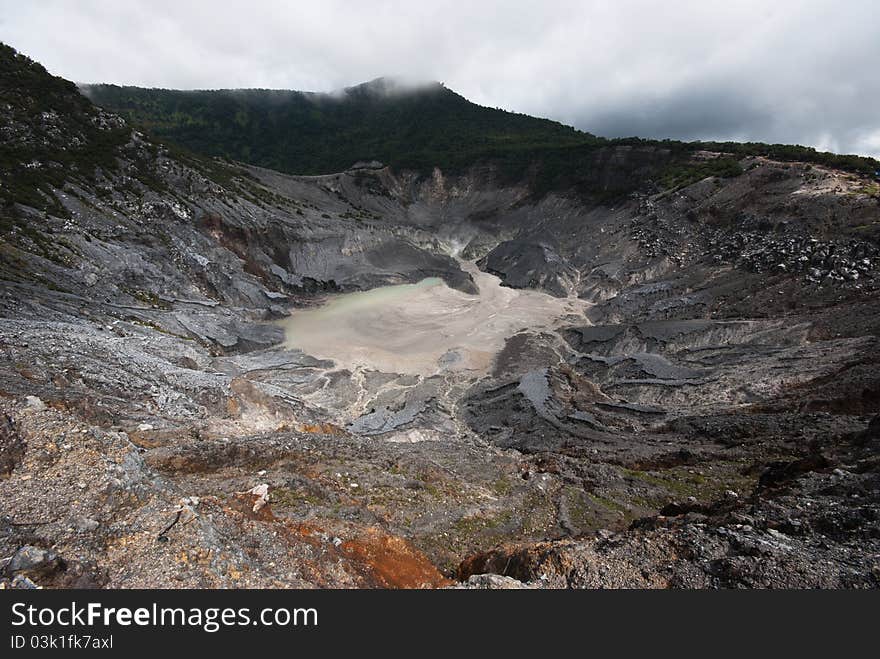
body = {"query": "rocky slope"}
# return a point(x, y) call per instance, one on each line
point(703, 417)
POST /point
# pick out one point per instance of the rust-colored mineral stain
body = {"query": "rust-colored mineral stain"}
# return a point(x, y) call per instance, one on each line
point(244, 503)
point(392, 562)
point(373, 557)
point(321, 429)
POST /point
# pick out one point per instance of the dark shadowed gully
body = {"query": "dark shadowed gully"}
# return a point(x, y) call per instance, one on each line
point(659, 372)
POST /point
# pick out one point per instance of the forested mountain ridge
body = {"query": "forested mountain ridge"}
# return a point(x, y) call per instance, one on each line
point(416, 127)
point(307, 133)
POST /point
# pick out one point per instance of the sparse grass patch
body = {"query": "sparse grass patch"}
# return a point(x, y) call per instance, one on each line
point(289, 498)
point(611, 504)
point(682, 174)
point(502, 486)
point(477, 524)
point(872, 189)
point(147, 297)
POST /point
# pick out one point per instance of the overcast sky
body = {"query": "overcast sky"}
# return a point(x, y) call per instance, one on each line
point(803, 71)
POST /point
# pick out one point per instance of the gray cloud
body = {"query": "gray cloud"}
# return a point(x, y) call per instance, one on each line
point(801, 71)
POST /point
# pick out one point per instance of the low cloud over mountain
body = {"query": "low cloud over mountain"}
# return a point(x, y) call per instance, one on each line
point(790, 71)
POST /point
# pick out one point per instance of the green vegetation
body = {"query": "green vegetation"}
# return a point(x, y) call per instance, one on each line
point(679, 175)
point(52, 134)
point(681, 482)
point(871, 189)
point(502, 486)
point(147, 298)
point(480, 524)
point(794, 153)
point(290, 498)
point(57, 249)
point(605, 502)
point(304, 133)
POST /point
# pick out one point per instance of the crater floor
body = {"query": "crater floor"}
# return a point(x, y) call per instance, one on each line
point(425, 328)
point(645, 397)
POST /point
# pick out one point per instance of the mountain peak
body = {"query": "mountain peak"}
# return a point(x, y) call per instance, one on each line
point(393, 85)
point(401, 121)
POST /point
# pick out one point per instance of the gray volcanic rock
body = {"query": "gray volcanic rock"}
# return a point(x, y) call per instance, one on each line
point(767, 541)
point(406, 257)
point(523, 264)
point(32, 561)
point(12, 448)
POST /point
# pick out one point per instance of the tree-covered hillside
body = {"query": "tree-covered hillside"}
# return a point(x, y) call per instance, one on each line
point(422, 128)
point(49, 133)
point(52, 134)
point(52, 137)
point(307, 133)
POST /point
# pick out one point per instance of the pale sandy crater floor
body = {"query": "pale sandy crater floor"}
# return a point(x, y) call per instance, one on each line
point(425, 328)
